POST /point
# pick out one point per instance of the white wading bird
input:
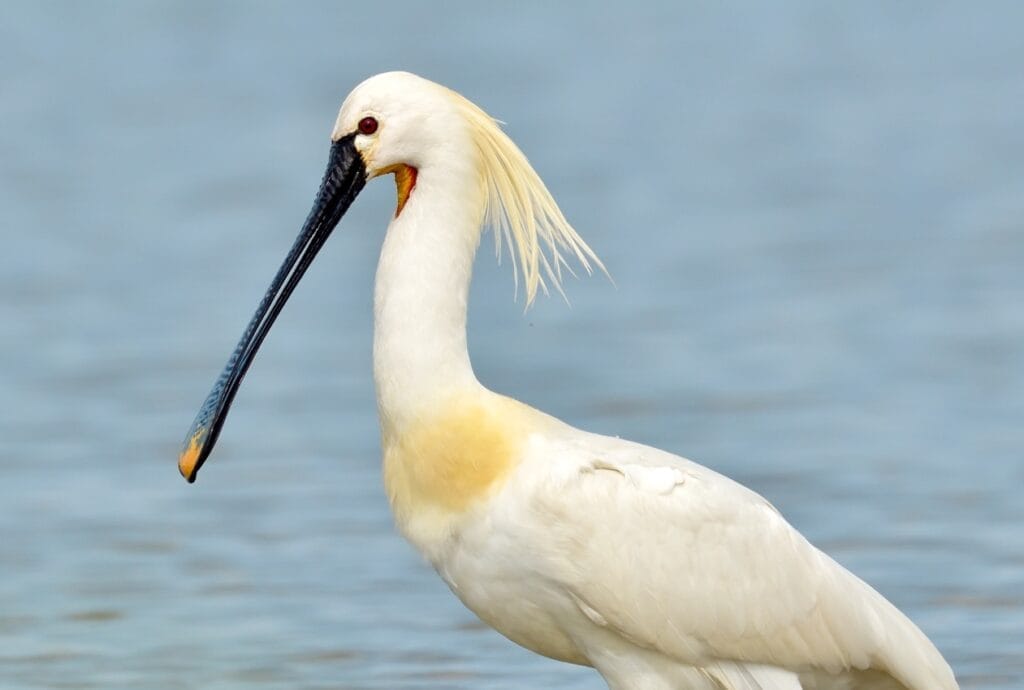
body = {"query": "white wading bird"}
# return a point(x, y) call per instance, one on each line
point(654, 570)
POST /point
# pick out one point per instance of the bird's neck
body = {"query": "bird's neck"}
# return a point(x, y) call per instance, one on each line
point(420, 357)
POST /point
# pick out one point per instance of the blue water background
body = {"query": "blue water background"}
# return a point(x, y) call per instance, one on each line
point(813, 213)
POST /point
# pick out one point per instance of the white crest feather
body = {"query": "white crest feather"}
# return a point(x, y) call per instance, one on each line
point(521, 209)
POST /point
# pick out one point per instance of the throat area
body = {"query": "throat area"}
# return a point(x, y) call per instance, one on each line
point(405, 183)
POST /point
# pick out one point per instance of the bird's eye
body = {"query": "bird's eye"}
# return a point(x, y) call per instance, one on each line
point(368, 125)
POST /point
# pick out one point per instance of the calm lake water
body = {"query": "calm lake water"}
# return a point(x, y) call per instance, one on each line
point(814, 217)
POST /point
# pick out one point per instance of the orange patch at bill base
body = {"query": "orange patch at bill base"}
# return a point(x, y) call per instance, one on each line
point(405, 182)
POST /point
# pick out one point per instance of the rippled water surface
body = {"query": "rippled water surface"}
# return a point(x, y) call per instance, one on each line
point(814, 217)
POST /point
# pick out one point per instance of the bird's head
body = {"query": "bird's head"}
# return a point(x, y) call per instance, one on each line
point(399, 123)
point(398, 119)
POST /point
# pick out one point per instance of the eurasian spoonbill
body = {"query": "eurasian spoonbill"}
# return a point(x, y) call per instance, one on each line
point(656, 571)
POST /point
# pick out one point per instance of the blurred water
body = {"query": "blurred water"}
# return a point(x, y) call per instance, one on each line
point(813, 215)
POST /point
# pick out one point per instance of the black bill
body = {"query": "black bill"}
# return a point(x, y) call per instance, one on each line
point(345, 177)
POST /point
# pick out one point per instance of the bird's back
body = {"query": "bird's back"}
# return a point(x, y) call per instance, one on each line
point(675, 558)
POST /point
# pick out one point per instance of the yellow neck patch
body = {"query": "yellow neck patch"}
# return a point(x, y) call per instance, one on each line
point(449, 460)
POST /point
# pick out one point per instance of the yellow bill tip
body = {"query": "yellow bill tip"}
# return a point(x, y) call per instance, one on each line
point(190, 456)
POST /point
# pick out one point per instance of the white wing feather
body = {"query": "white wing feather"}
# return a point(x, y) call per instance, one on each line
point(705, 570)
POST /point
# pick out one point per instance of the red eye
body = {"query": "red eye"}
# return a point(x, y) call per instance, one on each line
point(368, 125)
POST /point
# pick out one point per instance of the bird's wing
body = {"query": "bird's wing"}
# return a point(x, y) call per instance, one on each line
point(678, 558)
